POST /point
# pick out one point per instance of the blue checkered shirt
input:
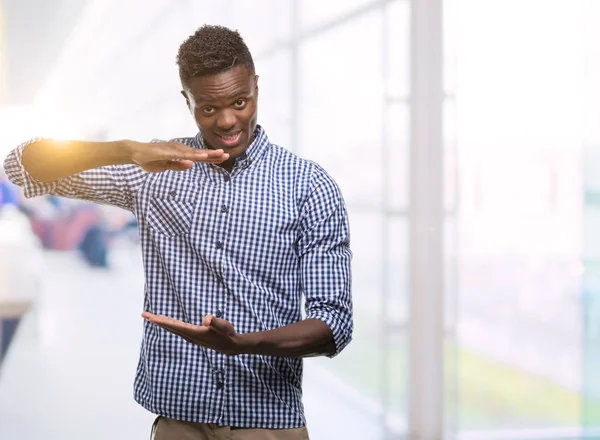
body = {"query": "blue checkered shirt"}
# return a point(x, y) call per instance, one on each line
point(245, 245)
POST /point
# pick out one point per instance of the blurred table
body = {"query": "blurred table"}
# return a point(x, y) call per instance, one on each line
point(11, 313)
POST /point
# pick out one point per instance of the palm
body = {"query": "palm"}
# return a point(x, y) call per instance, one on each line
point(216, 334)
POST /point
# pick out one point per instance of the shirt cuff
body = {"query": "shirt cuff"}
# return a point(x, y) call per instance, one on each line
point(19, 175)
point(341, 336)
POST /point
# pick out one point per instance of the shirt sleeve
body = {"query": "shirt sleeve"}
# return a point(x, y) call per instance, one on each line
point(110, 185)
point(325, 258)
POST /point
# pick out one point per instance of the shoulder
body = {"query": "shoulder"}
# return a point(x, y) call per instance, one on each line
point(285, 159)
point(316, 183)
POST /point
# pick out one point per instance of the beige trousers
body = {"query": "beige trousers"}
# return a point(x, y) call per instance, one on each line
point(168, 429)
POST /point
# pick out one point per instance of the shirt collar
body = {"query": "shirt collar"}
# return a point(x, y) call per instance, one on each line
point(252, 153)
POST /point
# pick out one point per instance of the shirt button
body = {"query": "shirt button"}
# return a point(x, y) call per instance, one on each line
point(219, 278)
point(227, 177)
point(224, 208)
point(220, 379)
point(219, 245)
point(218, 313)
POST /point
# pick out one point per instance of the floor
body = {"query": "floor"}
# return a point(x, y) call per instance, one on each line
point(69, 372)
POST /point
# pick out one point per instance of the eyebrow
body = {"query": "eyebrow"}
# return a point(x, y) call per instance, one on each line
point(230, 96)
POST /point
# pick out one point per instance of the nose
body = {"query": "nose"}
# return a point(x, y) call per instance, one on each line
point(226, 120)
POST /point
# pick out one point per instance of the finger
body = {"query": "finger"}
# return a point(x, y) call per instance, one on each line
point(187, 337)
point(218, 159)
point(179, 165)
point(221, 326)
point(149, 316)
point(177, 151)
point(181, 151)
point(208, 320)
point(165, 320)
point(174, 332)
point(188, 331)
point(214, 153)
point(203, 156)
point(194, 336)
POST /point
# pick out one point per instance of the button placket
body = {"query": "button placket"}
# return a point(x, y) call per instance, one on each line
point(223, 220)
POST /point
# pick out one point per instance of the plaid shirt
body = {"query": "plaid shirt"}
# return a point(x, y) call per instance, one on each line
point(245, 246)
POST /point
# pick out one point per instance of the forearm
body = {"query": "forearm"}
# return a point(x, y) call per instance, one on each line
point(49, 160)
point(311, 337)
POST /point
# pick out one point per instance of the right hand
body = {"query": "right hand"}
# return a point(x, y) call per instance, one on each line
point(156, 157)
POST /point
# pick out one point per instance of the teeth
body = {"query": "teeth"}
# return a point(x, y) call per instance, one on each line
point(229, 138)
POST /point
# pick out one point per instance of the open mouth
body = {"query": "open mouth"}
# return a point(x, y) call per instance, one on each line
point(230, 139)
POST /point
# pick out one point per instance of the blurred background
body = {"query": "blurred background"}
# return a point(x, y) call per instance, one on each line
point(465, 137)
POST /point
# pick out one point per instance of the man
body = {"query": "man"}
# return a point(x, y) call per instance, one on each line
point(234, 230)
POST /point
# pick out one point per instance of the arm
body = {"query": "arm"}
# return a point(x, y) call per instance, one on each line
point(311, 337)
point(47, 160)
point(102, 172)
point(325, 257)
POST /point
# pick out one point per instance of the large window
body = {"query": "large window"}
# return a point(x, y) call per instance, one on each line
point(520, 340)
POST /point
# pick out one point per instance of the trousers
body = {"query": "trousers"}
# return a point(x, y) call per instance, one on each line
point(169, 429)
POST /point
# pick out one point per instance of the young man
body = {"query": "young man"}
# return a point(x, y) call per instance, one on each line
point(234, 230)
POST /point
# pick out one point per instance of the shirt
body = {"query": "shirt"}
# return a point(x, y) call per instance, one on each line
point(246, 246)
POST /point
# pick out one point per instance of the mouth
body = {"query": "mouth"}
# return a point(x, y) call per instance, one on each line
point(230, 140)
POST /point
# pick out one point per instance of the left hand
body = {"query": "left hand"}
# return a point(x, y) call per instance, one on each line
point(214, 333)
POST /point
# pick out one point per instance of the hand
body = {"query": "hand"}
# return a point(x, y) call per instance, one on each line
point(156, 157)
point(216, 334)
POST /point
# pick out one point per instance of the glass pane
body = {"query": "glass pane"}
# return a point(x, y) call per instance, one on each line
point(519, 322)
point(592, 72)
point(275, 96)
point(591, 279)
point(520, 220)
point(394, 331)
point(396, 384)
point(341, 106)
point(396, 245)
point(316, 12)
point(590, 300)
point(397, 16)
point(374, 364)
point(359, 367)
point(396, 156)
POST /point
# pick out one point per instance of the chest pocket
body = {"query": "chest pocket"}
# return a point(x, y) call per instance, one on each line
point(173, 205)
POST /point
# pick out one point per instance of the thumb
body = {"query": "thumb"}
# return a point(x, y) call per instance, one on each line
point(218, 325)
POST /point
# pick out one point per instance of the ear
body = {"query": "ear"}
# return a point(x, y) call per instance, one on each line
point(256, 83)
point(187, 100)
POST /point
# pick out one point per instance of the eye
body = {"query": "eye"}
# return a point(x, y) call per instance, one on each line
point(208, 110)
point(240, 103)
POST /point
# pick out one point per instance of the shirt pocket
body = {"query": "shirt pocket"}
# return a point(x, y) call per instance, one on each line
point(172, 207)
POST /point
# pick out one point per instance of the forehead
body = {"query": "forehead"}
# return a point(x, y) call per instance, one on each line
point(221, 86)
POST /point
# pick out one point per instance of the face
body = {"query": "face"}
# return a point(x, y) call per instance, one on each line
point(224, 108)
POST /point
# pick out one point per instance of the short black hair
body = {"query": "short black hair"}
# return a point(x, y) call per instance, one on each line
point(211, 50)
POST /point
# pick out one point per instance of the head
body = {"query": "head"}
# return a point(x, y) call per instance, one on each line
point(220, 87)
